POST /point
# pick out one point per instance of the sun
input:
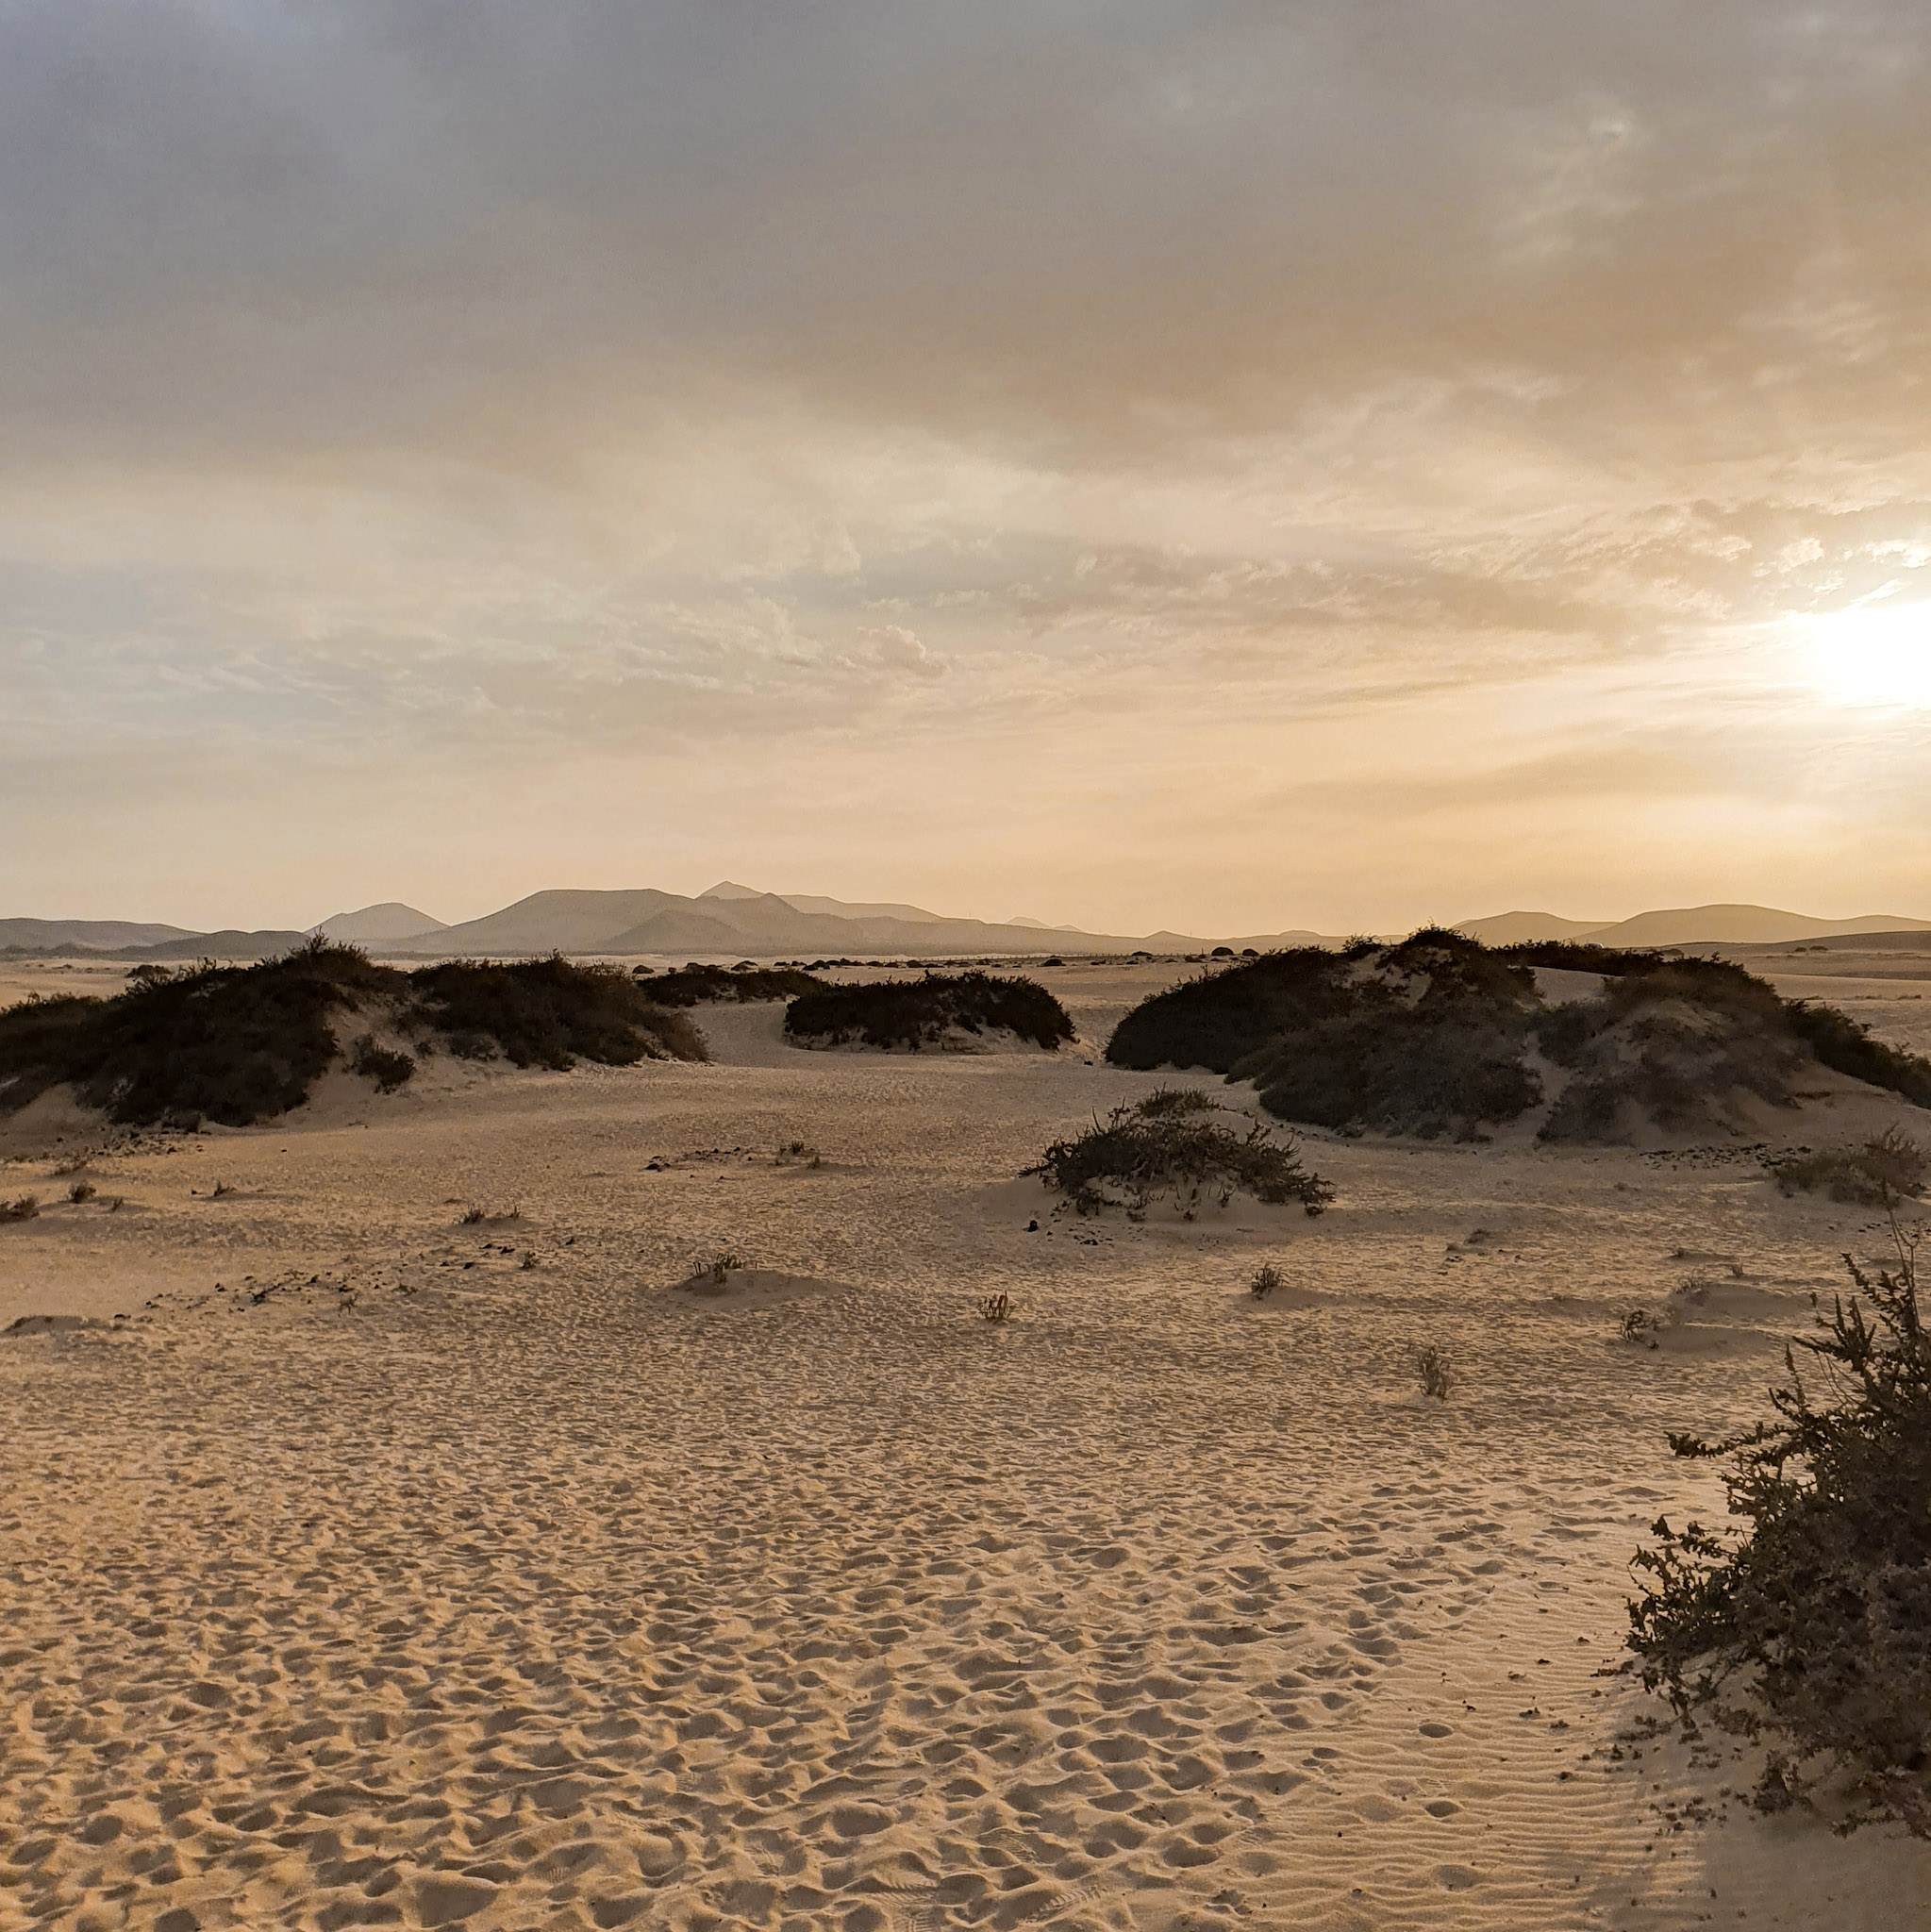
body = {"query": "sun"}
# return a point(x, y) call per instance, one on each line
point(1873, 655)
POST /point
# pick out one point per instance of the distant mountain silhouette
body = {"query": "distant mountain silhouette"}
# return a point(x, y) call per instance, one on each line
point(391, 920)
point(733, 921)
point(101, 935)
point(1685, 925)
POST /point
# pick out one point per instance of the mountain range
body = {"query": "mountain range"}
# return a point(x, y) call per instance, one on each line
point(731, 919)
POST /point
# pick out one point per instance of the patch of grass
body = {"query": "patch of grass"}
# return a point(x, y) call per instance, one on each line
point(23, 1208)
point(1131, 1159)
point(1893, 1166)
point(918, 1013)
point(242, 1044)
point(1812, 1626)
point(695, 985)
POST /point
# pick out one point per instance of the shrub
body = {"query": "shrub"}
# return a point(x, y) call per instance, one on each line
point(24, 1209)
point(1846, 1045)
point(81, 1191)
point(1426, 1037)
point(1892, 1167)
point(1267, 1279)
point(1820, 1612)
point(1131, 1159)
point(389, 1070)
point(994, 1308)
point(694, 985)
point(918, 1013)
point(550, 1013)
point(242, 1044)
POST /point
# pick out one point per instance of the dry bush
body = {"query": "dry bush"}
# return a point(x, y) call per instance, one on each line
point(723, 1265)
point(1812, 1626)
point(81, 1190)
point(1432, 1371)
point(994, 1308)
point(1130, 1160)
point(1267, 1279)
point(23, 1208)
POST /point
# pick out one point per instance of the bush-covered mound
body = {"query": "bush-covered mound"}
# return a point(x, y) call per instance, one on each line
point(1812, 1628)
point(1168, 1145)
point(240, 1043)
point(696, 985)
point(1440, 1035)
point(940, 1009)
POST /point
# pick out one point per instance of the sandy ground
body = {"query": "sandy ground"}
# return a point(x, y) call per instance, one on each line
point(395, 1581)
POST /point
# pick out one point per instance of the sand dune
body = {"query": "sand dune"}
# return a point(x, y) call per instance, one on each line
point(362, 1574)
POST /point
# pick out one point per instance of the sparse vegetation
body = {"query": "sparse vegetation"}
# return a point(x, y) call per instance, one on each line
point(23, 1209)
point(1133, 1157)
point(240, 1043)
point(1812, 1628)
point(722, 1266)
point(931, 1012)
point(1267, 1279)
point(1432, 1371)
point(81, 1191)
point(1892, 1166)
point(695, 985)
point(219, 1192)
point(798, 1154)
point(994, 1308)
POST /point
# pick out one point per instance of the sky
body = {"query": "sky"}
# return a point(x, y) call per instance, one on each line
point(1224, 467)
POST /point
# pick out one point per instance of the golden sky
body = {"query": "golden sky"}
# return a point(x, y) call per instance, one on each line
point(1228, 467)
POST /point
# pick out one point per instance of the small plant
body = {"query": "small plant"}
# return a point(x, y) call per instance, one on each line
point(1645, 1326)
point(994, 1308)
point(528, 1262)
point(1267, 1279)
point(81, 1190)
point(24, 1209)
point(219, 1192)
point(722, 1266)
point(1432, 1371)
point(472, 1216)
point(799, 1153)
point(76, 1164)
point(115, 1203)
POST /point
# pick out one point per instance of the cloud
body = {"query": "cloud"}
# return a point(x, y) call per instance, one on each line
point(487, 385)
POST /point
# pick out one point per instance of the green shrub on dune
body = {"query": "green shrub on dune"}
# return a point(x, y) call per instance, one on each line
point(1439, 1035)
point(236, 1044)
point(934, 1010)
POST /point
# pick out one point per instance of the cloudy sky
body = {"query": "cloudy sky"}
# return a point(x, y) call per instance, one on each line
point(1128, 462)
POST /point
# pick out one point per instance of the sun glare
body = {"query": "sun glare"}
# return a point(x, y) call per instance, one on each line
point(1877, 654)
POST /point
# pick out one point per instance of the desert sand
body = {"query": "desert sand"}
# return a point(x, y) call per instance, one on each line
point(360, 1565)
